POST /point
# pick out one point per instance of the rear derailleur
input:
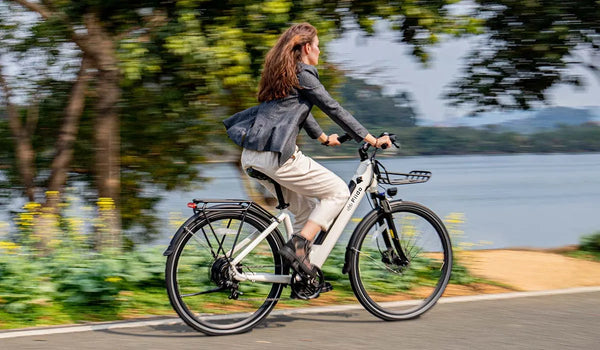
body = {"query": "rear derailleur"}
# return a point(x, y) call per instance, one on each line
point(221, 275)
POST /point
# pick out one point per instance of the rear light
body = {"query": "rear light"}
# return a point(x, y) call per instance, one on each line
point(191, 205)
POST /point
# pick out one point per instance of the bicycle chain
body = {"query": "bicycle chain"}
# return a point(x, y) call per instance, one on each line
point(261, 299)
point(268, 299)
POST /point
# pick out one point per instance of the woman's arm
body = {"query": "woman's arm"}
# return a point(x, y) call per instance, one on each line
point(315, 92)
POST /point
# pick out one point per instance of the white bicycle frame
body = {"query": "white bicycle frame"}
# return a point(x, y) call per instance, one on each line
point(365, 180)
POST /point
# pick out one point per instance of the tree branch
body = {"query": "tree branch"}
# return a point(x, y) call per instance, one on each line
point(13, 116)
point(39, 8)
point(24, 153)
point(33, 114)
point(68, 131)
point(46, 13)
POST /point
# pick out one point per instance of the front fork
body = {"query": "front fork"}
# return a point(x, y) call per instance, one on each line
point(393, 254)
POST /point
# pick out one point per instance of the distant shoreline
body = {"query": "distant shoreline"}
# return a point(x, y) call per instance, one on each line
point(343, 157)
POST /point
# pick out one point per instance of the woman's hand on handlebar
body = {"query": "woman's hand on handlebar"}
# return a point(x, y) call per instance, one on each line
point(381, 142)
point(331, 140)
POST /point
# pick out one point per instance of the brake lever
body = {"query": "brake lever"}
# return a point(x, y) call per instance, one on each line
point(392, 139)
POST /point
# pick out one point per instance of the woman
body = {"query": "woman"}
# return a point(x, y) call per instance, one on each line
point(288, 89)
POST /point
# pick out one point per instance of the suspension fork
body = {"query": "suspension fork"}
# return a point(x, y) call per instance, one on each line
point(394, 252)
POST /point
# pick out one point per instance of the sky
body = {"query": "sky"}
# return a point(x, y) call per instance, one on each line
point(388, 63)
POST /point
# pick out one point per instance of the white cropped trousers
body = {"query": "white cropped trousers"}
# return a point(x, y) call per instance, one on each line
point(313, 192)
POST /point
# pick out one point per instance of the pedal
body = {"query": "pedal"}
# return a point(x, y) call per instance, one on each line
point(326, 287)
point(306, 288)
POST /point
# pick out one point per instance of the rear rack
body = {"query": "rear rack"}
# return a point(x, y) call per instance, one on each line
point(394, 178)
point(237, 205)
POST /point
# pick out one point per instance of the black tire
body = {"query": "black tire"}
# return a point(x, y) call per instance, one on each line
point(387, 290)
point(192, 261)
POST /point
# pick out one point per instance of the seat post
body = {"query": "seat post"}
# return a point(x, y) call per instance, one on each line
point(282, 204)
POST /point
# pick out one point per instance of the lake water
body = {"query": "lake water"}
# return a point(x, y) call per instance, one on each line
point(507, 200)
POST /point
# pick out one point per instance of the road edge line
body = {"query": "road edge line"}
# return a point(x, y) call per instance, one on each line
point(309, 310)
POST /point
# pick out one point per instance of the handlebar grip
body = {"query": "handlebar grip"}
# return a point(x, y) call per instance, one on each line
point(344, 138)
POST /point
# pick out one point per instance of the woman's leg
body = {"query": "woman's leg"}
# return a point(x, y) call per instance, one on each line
point(305, 178)
point(301, 206)
point(302, 179)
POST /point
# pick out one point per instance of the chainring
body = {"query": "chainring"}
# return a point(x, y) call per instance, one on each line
point(305, 287)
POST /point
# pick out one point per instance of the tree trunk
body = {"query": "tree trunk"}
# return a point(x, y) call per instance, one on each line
point(68, 134)
point(24, 153)
point(98, 46)
point(47, 224)
point(107, 133)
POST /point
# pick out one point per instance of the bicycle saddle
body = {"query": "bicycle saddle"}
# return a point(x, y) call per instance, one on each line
point(257, 174)
point(261, 176)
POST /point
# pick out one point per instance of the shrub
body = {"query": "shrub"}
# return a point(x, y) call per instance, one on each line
point(75, 278)
point(590, 243)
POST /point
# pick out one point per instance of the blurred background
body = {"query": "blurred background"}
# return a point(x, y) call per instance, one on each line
point(111, 121)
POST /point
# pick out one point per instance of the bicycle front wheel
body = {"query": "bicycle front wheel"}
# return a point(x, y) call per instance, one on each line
point(199, 284)
point(395, 285)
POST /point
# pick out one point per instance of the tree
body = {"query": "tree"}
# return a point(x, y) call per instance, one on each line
point(61, 22)
point(528, 47)
point(162, 76)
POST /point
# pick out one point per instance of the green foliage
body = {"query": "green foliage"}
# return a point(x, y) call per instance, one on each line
point(528, 48)
point(23, 284)
point(69, 278)
point(185, 65)
point(460, 274)
point(590, 243)
point(332, 270)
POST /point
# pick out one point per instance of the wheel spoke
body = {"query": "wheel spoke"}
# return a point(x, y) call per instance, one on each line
point(375, 261)
point(199, 279)
point(422, 280)
point(218, 289)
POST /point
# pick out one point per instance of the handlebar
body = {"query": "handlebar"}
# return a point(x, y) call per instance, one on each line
point(341, 139)
point(347, 137)
point(363, 149)
point(344, 138)
point(393, 138)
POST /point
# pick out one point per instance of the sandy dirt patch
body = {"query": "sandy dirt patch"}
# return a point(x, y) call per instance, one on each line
point(526, 270)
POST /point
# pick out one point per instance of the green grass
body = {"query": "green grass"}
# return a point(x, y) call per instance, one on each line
point(588, 249)
point(584, 255)
point(70, 289)
point(138, 303)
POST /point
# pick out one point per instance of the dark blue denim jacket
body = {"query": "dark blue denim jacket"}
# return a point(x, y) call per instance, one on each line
point(274, 125)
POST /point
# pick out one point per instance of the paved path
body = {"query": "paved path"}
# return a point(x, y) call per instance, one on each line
point(566, 321)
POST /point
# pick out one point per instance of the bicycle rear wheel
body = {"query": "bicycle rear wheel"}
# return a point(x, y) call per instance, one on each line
point(198, 280)
point(387, 287)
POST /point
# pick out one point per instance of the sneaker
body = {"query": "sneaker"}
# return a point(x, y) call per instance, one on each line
point(296, 252)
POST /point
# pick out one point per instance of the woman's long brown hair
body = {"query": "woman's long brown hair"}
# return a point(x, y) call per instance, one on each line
point(279, 73)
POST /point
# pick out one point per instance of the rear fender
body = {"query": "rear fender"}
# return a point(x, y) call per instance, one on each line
point(254, 209)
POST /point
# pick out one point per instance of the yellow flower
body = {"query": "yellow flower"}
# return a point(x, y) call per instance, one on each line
point(31, 206)
point(106, 204)
point(113, 279)
point(8, 247)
